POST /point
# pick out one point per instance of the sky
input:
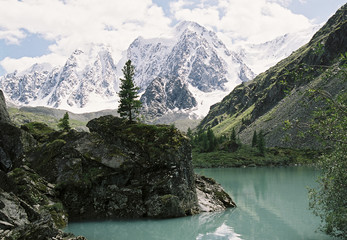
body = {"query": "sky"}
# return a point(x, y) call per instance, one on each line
point(36, 31)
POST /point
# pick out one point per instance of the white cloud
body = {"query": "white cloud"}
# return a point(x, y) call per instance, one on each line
point(249, 20)
point(285, 3)
point(73, 24)
point(12, 64)
point(12, 36)
point(76, 24)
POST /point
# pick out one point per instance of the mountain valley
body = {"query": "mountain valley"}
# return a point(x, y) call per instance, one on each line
point(181, 76)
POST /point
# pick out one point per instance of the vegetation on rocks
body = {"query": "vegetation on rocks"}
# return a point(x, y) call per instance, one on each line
point(129, 105)
point(64, 123)
point(50, 117)
point(229, 151)
point(247, 156)
point(329, 200)
point(282, 102)
point(119, 169)
point(279, 94)
point(40, 131)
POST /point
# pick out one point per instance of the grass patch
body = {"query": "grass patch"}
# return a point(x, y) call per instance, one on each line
point(248, 156)
point(22, 117)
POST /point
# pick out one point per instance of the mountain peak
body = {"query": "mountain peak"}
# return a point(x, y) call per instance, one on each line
point(77, 52)
point(37, 67)
point(189, 25)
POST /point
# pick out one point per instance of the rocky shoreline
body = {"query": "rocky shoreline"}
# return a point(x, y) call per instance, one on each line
point(117, 170)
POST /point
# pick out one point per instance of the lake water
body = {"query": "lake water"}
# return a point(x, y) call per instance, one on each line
point(272, 204)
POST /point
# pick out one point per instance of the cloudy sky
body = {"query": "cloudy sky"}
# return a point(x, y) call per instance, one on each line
point(50, 30)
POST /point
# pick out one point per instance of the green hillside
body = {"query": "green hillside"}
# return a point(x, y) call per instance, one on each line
point(282, 93)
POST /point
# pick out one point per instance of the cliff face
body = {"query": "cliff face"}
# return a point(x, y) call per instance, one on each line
point(4, 116)
point(13, 141)
point(29, 208)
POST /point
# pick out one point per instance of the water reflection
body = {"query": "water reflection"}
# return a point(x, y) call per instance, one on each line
point(224, 232)
point(272, 204)
point(203, 226)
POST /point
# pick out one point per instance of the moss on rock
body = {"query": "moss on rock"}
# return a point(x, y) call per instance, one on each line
point(40, 131)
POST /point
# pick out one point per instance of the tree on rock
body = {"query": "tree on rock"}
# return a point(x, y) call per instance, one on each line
point(64, 123)
point(128, 105)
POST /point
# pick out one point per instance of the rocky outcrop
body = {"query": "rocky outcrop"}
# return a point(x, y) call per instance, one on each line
point(211, 195)
point(13, 141)
point(29, 208)
point(4, 116)
point(120, 170)
point(117, 170)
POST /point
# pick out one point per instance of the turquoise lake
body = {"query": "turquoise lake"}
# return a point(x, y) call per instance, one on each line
point(272, 204)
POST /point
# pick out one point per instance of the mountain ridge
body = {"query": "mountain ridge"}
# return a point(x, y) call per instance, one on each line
point(194, 58)
point(280, 93)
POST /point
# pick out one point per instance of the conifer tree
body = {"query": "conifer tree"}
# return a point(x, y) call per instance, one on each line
point(190, 133)
point(254, 139)
point(64, 122)
point(205, 143)
point(129, 105)
point(233, 136)
point(211, 140)
point(261, 142)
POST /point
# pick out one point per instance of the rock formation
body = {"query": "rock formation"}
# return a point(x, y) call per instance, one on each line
point(117, 170)
point(29, 208)
point(120, 170)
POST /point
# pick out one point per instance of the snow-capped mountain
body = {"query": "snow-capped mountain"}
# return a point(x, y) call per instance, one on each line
point(260, 57)
point(82, 84)
point(184, 74)
point(194, 59)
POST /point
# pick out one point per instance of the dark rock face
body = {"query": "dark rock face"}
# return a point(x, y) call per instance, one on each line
point(121, 170)
point(165, 94)
point(13, 141)
point(4, 117)
point(30, 209)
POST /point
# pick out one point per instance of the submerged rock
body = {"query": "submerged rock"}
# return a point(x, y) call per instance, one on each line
point(211, 195)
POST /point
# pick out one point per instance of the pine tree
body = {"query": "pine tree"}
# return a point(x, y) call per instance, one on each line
point(261, 143)
point(233, 136)
point(64, 123)
point(211, 140)
point(190, 133)
point(205, 143)
point(128, 106)
point(254, 139)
